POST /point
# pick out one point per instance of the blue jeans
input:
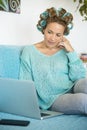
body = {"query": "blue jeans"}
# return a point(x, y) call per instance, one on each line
point(74, 102)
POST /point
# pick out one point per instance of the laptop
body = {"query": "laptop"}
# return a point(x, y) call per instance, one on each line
point(19, 97)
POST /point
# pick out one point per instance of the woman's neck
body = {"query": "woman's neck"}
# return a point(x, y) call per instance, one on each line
point(44, 46)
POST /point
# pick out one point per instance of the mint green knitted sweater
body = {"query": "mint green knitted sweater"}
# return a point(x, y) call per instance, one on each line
point(53, 75)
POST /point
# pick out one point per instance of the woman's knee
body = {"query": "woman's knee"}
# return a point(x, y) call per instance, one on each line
point(71, 104)
point(81, 86)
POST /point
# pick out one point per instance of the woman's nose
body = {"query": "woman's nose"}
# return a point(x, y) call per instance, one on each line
point(53, 37)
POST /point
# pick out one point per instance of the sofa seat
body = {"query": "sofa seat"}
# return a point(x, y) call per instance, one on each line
point(9, 68)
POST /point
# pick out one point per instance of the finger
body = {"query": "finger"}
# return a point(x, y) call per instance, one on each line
point(61, 45)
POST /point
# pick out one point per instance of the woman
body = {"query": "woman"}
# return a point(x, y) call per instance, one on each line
point(53, 65)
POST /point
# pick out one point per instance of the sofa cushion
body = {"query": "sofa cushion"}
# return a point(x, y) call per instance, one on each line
point(9, 61)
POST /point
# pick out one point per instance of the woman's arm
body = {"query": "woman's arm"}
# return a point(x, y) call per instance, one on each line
point(76, 67)
point(25, 66)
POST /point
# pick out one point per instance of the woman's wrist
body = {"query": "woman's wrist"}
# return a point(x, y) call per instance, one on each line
point(70, 49)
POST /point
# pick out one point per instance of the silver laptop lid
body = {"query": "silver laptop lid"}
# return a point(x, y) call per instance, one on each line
point(19, 97)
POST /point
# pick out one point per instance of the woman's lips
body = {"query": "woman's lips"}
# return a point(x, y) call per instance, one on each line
point(51, 43)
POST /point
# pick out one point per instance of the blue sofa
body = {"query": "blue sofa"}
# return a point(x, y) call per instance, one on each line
point(9, 68)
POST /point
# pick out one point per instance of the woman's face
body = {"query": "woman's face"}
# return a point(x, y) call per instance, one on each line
point(53, 34)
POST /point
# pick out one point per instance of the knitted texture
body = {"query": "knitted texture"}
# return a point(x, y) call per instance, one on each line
point(53, 75)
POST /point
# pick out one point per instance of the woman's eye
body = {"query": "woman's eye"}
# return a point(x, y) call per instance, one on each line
point(58, 35)
point(49, 32)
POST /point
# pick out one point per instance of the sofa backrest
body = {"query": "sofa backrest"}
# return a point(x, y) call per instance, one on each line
point(10, 61)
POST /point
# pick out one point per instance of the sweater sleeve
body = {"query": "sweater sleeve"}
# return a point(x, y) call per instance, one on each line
point(25, 65)
point(76, 67)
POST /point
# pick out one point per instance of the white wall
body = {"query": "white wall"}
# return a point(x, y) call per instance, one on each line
point(20, 29)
